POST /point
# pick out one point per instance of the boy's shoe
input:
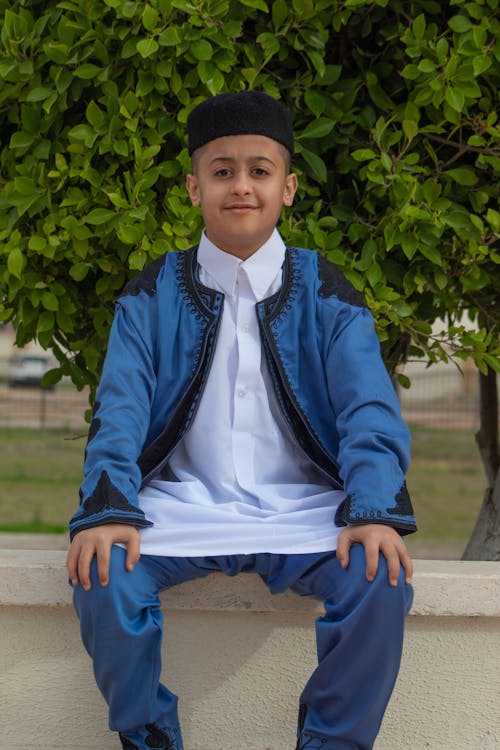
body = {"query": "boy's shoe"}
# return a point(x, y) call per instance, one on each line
point(127, 745)
point(151, 737)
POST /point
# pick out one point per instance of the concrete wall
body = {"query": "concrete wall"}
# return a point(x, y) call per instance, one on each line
point(238, 658)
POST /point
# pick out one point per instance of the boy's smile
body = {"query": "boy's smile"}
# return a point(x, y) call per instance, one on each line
point(241, 183)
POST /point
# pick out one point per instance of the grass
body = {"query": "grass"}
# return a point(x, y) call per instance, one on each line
point(447, 483)
point(40, 472)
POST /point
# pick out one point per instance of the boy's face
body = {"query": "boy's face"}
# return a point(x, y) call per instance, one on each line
point(241, 182)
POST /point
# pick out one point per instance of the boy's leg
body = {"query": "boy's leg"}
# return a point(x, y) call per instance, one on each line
point(121, 627)
point(359, 645)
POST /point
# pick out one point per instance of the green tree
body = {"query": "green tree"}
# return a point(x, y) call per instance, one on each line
point(395, 107)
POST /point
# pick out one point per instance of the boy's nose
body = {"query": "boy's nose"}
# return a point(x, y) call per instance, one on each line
point(241, 183)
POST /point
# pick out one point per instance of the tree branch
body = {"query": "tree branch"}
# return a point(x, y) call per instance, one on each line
point(463, 147)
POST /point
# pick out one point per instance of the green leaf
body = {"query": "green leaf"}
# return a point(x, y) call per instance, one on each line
point(316, 102)
point(460, 24)
point(21, 140)
point(130, 234)
point(318, 128)
point(492, 362)
point(202, 50)
point(317, 165)
point(50, 301)
point(170, 37)
point(99, 216)
point(150, 18)
point(147, 47)
point(418, 26)
point(463, 175)
point(258, 4)
point(96, 117)
point(87, 71)
point(38, 94)
point(37, 243)
point(374, 274)
point(431, 253)
point(455, 98)
point(82, 133)
point(481, 63)
point(363, 154)
point(410, 128)
point(45, 322)
point(493, 219)
point(15, 262)
point(79, 271)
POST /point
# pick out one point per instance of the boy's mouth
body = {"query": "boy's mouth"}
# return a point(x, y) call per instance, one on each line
point(241, 207)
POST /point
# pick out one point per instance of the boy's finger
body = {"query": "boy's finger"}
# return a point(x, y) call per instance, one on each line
point(71, 565)
point(84, 561)
point(133, 551)
point(372, 557)
point(407, 564)
point(103, 554)
point(393, 566)
point(343, 545)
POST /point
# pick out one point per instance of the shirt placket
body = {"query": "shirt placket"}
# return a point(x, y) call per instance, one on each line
point(248, 383)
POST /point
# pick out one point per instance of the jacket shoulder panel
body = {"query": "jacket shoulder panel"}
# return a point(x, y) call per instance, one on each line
point(145, 281)
point(335, 284)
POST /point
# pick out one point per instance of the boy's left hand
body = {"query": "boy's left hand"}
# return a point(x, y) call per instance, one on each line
point(376, 539)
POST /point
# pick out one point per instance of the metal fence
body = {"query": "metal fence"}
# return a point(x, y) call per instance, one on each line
point(442, 398)
point(438, 397)
point(60, 408)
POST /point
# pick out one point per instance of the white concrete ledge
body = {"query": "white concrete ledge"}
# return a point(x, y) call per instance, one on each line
point(442, 588)
point(238, 658)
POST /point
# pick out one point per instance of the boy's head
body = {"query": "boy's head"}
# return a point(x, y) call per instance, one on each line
point(241, 147)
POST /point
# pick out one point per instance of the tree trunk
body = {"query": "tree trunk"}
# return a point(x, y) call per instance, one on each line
point(484, 543)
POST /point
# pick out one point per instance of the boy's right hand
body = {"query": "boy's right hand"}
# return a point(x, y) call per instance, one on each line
point(98, 541)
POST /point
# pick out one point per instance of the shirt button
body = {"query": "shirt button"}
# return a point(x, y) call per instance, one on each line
point(246, 327)
point(241, 392)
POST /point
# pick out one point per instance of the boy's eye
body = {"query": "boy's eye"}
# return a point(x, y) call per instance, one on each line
point(222, 172)
point(260, 171)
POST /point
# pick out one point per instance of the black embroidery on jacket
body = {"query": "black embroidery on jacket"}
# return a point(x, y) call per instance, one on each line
point(107, 497)
point(334, 283)
point(159, 739)
point(403, 504)
point(95, 424)
point(145, 281)
point(306, 740)
point(127, 744)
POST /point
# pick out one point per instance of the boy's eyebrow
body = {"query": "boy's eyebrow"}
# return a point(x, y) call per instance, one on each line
point(249, 159)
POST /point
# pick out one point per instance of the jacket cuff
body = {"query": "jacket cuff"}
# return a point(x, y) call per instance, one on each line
point(353, 511)
point(106, 504)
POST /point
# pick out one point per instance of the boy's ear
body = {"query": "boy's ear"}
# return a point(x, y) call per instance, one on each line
point(291, 184)
point(193, 190)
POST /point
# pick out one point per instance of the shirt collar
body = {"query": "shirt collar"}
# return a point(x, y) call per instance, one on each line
point(261, 268)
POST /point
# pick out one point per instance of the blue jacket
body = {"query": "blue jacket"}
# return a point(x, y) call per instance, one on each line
point(329, 379)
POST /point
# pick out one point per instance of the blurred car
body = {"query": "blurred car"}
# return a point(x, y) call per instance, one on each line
point(28, 370)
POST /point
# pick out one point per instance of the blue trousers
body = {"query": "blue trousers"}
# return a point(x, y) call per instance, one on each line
point(359, 643)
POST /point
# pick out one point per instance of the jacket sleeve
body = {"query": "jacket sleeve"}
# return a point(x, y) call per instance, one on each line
point(120, 423)
point(374, 441)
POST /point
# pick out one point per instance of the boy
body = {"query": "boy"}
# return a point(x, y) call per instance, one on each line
point(244, 422)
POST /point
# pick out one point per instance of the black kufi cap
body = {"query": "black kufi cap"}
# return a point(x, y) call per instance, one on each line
point(244, 113)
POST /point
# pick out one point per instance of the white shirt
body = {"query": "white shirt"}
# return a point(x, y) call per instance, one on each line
point(238, 483)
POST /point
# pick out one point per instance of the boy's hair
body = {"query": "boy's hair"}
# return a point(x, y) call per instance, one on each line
point(244, 113)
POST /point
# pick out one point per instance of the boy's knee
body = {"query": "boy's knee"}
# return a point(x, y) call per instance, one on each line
point(380, 588)
point(104, 596)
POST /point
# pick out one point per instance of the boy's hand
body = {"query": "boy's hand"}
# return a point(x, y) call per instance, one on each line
point(376, 538)
point(98, 541)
